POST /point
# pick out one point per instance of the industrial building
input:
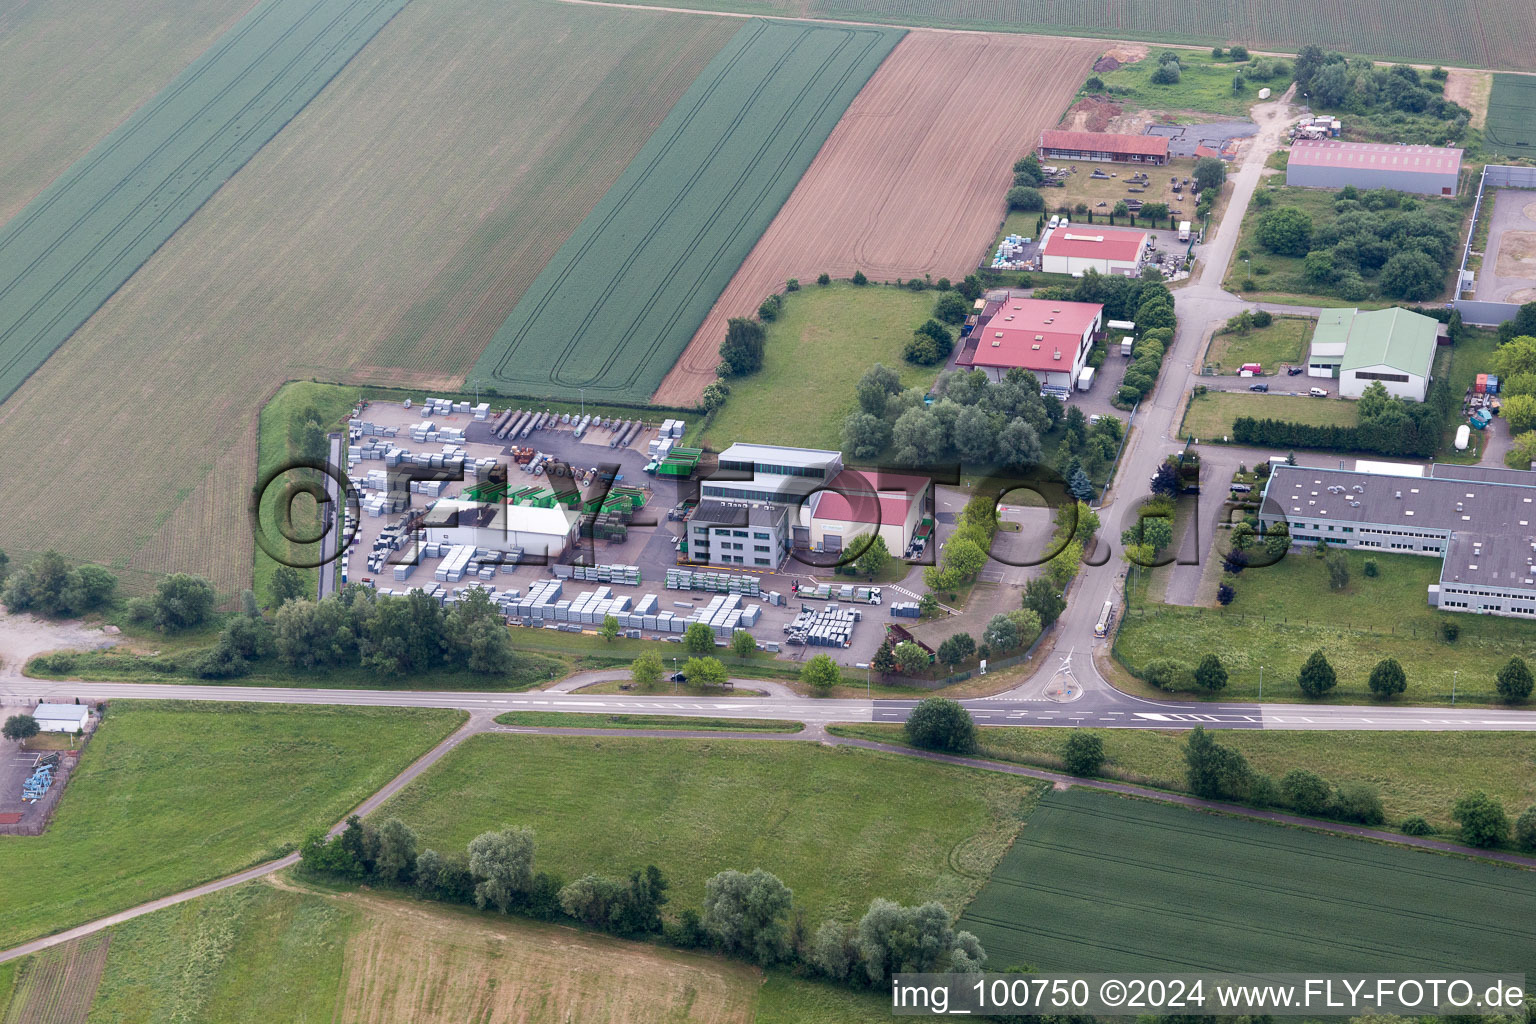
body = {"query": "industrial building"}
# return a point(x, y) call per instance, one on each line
point(730, 533)
point(1393, 346)
point(1050, 339)
point(61, 717)
point(1476, 519)
point(860, 502)
point(536, 532)
point(1078, 248)
point(750, 473)
point(1329, 163)
point(1103, 147)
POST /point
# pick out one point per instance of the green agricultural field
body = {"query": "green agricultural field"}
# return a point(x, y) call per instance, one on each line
point(840, 827)
point(172, 794)
point(1284, 341)
point(623, 297)
point(817, 348)
point(1205, 86)
point(1210, 416)
point(1421, 773)
point(1511, 128)
point(1471, 33)
point(384, 235)
point(1284, 612)
point(72, 70)
point(87, 232)
point(1097, 882)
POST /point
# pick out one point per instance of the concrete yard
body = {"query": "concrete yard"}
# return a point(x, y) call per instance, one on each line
point(1509, 261)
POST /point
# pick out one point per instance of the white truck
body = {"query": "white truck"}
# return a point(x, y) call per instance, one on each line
point(1184, 228)
point(1125, 347)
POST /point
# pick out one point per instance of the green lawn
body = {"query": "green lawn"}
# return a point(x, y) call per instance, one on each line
point(170, 794)
point(820, 345)
point(1281, 279)
point(1205, 85)
point(840, 827)
point(1285, 340)
point(1210, 416)
point(1284, 612)
point(253, 953)
point(1460, 364)
point(1100, 882)
point(568, 720)
point(1417, 773)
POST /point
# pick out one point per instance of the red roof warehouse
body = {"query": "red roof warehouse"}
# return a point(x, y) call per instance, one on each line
point(1061, 145)
point(1050, 339)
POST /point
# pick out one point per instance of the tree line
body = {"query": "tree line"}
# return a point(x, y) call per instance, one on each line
point(1384, 426)
point(747, 915)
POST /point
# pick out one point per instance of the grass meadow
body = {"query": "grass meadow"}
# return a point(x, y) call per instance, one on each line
point(380, 238)
point(168, 795)
point(817, 349)
point(1417, 773)
point(1509, 130)
point(1284, 612)
point(1205, 85)
point(1285, 340)
point(1194, 891)
point(840, 827)
point(1210, 416)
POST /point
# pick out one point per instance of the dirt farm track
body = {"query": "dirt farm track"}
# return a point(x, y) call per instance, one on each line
point(911, 180)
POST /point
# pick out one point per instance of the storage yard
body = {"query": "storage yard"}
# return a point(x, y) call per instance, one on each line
point(616, 305)
point(433, 532)
point(931, 212)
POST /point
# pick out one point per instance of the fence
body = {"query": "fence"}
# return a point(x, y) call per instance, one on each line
point(37, 816)
point(1481, 312)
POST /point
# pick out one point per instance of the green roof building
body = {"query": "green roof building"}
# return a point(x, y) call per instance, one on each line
point(1393, 346)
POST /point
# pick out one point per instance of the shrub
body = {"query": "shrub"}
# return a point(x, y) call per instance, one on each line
point(1306, 791)
point(1450, 629)
point(1263, 318)
point(792, 285)
point(1022, 197)
point(1371, 569)
point(1357, 801)
point(1387, 678)
point(1094, 84)
point(1482, 820)
point(1416, 826)
point(940, 724)
point(1514, 680)
point(859, 278)
point(823, 278)
point(1525, 829)
point(1317, 676)
point(1083, 753)
point(1167, 74)
point(1169, 674)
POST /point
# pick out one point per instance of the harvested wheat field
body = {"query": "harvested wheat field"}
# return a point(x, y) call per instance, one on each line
point(381, 237)
point(911, 181)
point(412, 962)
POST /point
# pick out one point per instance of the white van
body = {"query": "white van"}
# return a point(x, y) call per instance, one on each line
point(1055, 221)
point(1317, 392)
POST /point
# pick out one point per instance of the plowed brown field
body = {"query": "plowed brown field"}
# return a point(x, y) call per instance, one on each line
point(911, 180)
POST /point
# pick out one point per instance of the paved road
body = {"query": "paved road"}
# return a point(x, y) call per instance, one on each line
point(1096, 704)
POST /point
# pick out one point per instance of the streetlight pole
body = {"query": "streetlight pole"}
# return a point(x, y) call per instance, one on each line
point(1454, 674)
point(1261, 683)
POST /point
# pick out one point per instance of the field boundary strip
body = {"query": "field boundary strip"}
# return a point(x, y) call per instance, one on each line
point(622, 298)
point(70, 249)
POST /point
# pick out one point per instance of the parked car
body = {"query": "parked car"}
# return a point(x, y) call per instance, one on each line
point(1258, 387)
point(1293, 370)
point(1317, 392)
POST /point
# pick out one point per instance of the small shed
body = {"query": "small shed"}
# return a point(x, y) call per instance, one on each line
point(61, 717)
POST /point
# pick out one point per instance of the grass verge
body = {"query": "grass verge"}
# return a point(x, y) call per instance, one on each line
point(1283, 341)
point(1210, 416)
point(576, 720)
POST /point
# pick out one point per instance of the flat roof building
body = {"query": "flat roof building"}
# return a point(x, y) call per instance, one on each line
point(1050, 339)
point(1329, 163)
point(1103, 146)
point(738, 534)
point(546, 532)
point(1476, 519)
point(1078, 248)
point(1393, 346)
point(61, 717)
point(769, 472)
